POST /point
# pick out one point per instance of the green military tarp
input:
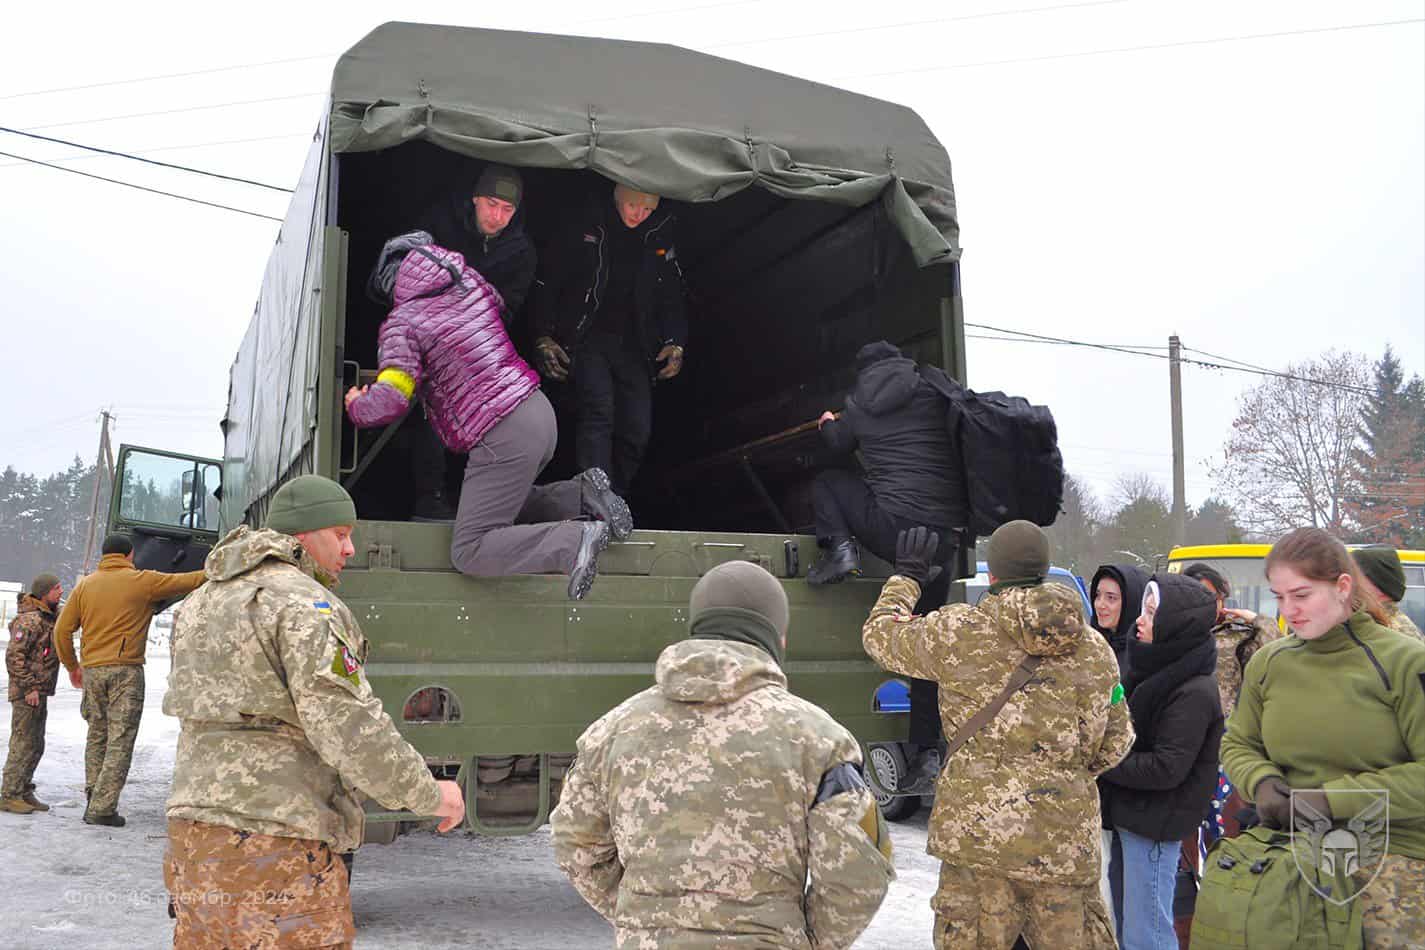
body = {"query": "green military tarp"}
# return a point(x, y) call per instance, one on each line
point(665, 120)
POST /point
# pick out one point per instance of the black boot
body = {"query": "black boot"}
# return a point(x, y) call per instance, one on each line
point(598, 501)
point(433, 507)
point(586, 563)
point(921, 776)
point(112, 820)
point(836, 563)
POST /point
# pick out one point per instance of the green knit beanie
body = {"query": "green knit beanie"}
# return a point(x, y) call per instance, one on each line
point(740, 601)
point(43, 584)
point(1019, 550)
point(500, 181)
point(1381, 565)
point(310, 503)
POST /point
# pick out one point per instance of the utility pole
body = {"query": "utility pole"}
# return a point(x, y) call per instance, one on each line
point(1175, 389)
point(103, 468)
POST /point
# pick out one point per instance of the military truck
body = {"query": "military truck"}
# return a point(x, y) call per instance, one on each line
point(811, 221)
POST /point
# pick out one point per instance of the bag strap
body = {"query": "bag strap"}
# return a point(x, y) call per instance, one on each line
point(1021, 675)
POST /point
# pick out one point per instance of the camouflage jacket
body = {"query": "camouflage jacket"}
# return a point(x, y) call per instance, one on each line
point(1400, 623)
point(30, 659)
point(279, 725)
point(1019, 799)
point(696, 815)
point(1237, 641)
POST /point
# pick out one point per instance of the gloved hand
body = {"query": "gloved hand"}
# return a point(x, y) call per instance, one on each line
point(1273, 797)
point(672, 357)
point(553, 361)
point(915, 555)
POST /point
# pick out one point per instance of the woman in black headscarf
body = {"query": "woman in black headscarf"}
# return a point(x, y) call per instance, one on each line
point(1161, 791)
point(1116, 592)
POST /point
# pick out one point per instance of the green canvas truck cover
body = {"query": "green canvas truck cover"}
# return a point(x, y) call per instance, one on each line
point(665, 120)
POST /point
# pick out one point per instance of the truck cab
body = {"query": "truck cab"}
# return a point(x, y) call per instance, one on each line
point(811, 221)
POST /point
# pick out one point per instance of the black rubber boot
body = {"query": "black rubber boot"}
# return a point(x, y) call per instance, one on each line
point(836, 563)
point(598, 501)
point(921, 776)
point(586, 564)
point(433, 507)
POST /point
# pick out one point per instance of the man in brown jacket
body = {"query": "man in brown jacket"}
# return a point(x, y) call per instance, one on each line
point(112, 607)
point(33, 668)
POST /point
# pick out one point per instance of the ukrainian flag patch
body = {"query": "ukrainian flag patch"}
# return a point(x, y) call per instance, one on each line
point(323, 607)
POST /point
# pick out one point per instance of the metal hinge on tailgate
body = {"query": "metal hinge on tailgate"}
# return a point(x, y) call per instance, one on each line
point(382, 557)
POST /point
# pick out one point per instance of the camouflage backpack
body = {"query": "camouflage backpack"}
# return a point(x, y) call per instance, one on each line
point(1254, 895)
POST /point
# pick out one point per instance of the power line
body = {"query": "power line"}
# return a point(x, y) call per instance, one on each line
point(1140, 351)
point(146, 161)
point(179, 148)
point(1177, 44)
point(762, 40)
point(129, 184)
point(145, 115)
point(139, 79)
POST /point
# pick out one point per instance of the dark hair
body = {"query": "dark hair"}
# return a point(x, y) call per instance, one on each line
point(1206, 572)
point(1320, 557)
point(118, 544)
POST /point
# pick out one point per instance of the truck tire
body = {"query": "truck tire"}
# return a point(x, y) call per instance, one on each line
point(889, 763)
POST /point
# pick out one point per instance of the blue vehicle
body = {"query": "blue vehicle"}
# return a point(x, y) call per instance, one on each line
point(888, 760)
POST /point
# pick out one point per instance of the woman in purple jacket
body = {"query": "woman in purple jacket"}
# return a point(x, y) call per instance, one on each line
point(445, 342)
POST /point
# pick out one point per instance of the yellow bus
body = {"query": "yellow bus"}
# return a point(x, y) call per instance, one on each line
point(1242, 565)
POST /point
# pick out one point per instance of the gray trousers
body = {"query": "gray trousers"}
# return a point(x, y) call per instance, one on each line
point(505, 524)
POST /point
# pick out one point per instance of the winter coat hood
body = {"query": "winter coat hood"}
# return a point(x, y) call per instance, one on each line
point(886, 385)
point(245, 549)
point(31, 604)
point(715, 671)
point(1186, 610)
point(1131, 580)
point(1042, 620)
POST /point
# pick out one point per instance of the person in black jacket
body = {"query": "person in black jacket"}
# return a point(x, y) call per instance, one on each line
point(608, 310)
point(897, 420)
point(1161, 791)
point(484, 224)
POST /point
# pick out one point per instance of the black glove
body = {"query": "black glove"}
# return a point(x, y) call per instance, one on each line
point(915, 555)
point(552, 359)
point(1273, 796)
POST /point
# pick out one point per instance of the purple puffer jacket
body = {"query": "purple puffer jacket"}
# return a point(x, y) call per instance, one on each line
point(446, 343)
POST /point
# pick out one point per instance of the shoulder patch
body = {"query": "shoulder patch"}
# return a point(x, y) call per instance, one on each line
point(323, 607)
point(1116, 696)
point(345, 665)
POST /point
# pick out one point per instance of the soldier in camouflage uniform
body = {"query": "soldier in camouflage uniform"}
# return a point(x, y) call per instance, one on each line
point(1239, 634)
point(280, 735)
point(716, 809)
point(33, 669)
point(1016, 819)
point(1385, 578)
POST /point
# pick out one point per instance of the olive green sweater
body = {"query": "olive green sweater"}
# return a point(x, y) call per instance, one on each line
point(1343, 712)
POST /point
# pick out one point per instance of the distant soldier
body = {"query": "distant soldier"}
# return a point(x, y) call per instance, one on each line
point(280, 735)
point(1239, 634)
point(716, 809)
point(112, 608)
point(1016, 819)
point(33, 668)
point(1385, 578)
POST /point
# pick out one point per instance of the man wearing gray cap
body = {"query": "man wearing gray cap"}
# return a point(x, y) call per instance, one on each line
point(280, 736)
point(33, 668)
point(1030, 699)
point(741, 815)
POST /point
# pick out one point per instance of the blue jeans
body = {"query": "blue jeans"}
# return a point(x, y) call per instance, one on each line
point(1143, 908)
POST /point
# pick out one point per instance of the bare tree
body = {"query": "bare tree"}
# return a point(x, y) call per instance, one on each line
point(1291, 458)
point(1074, 535)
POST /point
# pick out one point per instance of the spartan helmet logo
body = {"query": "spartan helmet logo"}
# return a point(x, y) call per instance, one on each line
point(1339, 860)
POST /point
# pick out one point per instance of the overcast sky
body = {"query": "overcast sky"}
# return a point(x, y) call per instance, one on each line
point(1254, 181)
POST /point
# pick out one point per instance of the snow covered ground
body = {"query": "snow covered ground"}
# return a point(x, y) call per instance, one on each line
point(65, 884)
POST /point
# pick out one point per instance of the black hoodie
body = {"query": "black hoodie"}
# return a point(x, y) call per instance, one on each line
point(506, 260)
point(1131, 580)
point(898, 421)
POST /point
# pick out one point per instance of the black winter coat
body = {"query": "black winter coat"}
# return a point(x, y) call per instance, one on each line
point(897, 420)
point(506, 260)
point(575, 274)
point(1163, 793)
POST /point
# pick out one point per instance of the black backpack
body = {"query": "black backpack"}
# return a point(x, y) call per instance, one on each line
point(1009, 452)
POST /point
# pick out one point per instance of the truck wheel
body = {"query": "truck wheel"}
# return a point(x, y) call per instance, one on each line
point(889, 764)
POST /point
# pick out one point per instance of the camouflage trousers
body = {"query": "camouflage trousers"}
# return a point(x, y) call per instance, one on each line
point(113, 705)
point(1393, 915)
point(235, 888)
point(979, 911)
point(27, 747)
